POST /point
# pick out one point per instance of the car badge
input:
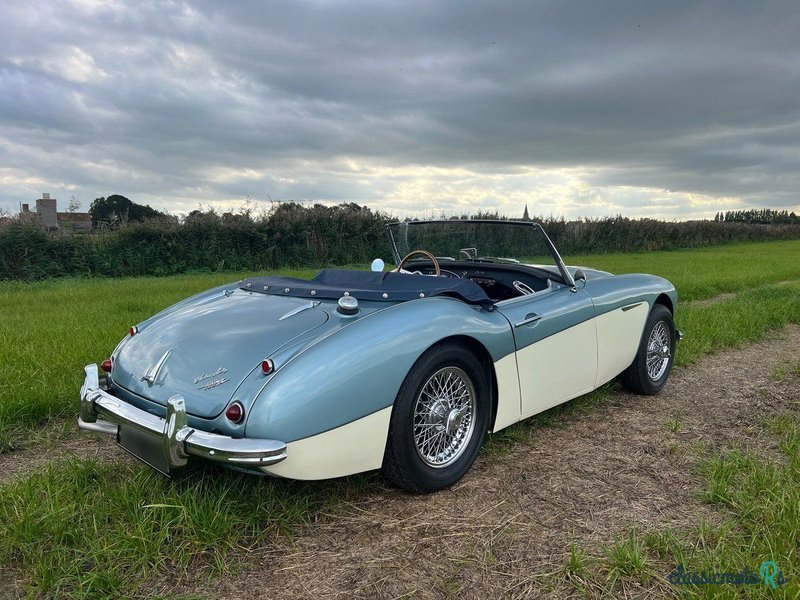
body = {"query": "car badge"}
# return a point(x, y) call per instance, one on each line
point(215, 383)
point(204, 376)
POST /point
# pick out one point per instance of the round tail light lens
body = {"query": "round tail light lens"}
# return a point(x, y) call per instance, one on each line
point(267, 366)
point(106, 365)
point(235, 412)
point(133, 330)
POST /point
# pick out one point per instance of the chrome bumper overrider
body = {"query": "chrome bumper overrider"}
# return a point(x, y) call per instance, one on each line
point(103, 413)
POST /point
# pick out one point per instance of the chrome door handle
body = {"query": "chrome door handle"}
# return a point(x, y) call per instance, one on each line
point(529, 318)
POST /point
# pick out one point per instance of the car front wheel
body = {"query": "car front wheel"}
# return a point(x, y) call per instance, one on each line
point(439, 420)
point(651, 368)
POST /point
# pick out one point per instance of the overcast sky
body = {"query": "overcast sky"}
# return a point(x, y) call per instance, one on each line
point(667, 109)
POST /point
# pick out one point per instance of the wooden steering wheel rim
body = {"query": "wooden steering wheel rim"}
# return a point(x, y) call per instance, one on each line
point(435, 262)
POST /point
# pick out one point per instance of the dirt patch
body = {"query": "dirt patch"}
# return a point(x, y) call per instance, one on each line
point(713, 300)
point(55, 442)
point(506, 529)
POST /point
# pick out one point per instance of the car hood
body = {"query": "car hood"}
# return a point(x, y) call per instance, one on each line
point(204, 349)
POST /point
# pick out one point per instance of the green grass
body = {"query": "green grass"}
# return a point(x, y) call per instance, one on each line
point(745, 318)
point(705, 272)
point(81, 529)
point(761, 498)
point(577, 561)
point(627, 557)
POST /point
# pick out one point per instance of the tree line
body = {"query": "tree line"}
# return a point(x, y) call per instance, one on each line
point(758, 216)
point(136, 242)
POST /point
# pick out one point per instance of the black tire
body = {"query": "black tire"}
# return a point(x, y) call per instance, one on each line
point(636, 377)
point(403, 463)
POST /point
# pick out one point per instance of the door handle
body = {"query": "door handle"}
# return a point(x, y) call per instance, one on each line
point(529, 318)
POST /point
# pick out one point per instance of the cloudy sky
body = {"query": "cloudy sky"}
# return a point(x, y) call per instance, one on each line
point(667, 109)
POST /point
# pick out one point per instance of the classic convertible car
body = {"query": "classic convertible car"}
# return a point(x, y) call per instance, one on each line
point(403, 370)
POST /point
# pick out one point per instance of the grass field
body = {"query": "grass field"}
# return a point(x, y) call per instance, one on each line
point(84, 529)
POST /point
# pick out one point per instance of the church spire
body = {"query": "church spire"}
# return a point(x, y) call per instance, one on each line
point(525, 215)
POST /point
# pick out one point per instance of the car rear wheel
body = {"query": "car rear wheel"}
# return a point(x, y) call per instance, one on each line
point(439, 419)
point(651, 368)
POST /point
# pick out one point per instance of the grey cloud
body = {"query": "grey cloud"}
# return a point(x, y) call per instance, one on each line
point(150, 98)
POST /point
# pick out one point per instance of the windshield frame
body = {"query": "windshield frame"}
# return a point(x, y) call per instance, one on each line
point(565, 274)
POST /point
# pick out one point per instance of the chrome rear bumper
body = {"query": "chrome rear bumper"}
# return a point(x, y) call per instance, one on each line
point(102, 412)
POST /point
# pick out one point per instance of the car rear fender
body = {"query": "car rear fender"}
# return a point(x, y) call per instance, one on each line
point(358, 370)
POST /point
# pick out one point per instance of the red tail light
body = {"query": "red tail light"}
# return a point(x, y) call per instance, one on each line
point(106, 365)
point(235, 412)
point(267, 366)
point(133, 330)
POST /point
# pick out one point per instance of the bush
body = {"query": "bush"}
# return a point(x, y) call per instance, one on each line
point(292, 235)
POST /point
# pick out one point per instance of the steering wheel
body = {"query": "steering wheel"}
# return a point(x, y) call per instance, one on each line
point(523, 288)
point(425, 253)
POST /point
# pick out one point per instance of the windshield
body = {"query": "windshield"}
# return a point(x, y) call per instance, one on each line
point(487, 241)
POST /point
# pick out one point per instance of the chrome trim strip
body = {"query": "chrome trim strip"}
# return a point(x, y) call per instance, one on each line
point(299, 309)
point(100, 426)
point(631, 306)
point(527, 320)
point(151, 374)
point(101, 412)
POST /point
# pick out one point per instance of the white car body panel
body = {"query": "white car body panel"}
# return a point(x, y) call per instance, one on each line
point(320, 457)
point(618, 335)
point(558, 368)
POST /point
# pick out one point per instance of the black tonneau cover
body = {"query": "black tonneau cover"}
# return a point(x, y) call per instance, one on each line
point(370, 285)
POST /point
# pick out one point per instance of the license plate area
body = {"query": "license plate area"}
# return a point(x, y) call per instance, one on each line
point(144, 445)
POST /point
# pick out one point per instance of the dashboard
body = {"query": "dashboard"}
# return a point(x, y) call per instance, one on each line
point(500, 282)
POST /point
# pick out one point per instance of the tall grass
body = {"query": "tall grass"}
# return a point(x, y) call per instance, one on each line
point(86, 530)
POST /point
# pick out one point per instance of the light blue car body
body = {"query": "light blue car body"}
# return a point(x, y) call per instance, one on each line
point(332, 369)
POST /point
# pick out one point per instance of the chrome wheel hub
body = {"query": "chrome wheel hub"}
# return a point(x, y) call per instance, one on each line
point(658, 351)
point(454, 420)
point(444, 417)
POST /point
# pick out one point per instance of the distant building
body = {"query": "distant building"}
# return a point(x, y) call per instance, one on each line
point(525, 215)
point(47, 215)
point(75, 221)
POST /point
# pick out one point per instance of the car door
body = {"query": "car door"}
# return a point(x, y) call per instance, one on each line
point(556, 346)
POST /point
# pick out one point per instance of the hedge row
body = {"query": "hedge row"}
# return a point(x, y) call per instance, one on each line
point(293, 236)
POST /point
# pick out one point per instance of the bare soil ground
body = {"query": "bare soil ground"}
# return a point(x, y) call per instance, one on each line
point(56, 441)
point(715, 299)
point(507, 528)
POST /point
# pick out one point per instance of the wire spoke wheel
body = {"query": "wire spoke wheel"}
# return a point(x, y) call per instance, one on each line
point(658, 351)
point(444, 417)
point(439, 419)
